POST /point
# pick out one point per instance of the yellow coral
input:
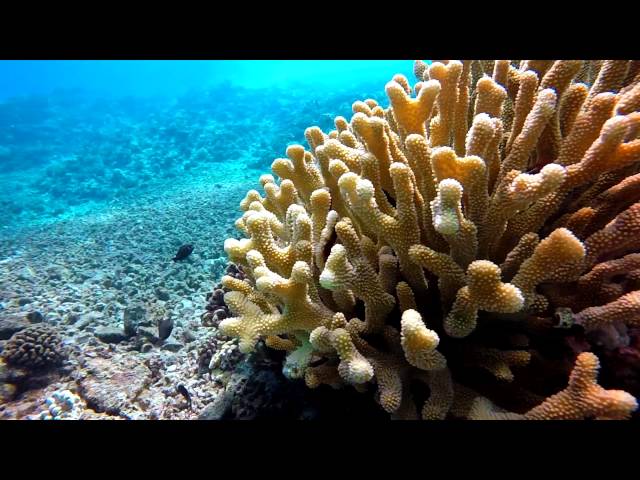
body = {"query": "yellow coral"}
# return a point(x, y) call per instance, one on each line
point(561, 248)
point(461, 172)
point(484, 291)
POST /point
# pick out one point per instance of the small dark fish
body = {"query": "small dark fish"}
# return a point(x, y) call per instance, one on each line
point(165, 326)
point(183, 391)
point(183, 252)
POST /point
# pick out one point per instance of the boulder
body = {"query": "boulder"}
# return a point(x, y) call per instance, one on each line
point(110, 334)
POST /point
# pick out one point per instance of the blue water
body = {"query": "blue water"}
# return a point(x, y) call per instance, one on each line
point(76, 136)
point(162, 77)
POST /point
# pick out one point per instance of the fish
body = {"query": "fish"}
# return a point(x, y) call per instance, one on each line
point(183, 252)
point(165, 326)
point(185, 393)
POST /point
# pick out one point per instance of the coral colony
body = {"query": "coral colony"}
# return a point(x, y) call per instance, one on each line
point(466, 248)
point(451, 253)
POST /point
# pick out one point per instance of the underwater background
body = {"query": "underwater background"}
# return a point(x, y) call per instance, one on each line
point(438, 240)
point(107, 168)
point(77, 136)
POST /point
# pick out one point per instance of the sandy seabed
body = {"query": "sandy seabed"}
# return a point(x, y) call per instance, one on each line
point(82, 273)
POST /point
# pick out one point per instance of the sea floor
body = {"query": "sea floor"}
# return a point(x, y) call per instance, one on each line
point(82, 272)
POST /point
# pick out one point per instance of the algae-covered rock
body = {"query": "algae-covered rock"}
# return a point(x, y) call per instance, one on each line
point(135, 315)
point(112, 385)
point(11, 324)
point(110, 334)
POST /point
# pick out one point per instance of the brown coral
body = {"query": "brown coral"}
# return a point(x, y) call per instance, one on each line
point(37, 346)
point(584, 398)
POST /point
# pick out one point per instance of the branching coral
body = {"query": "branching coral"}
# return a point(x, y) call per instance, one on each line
point(419, 242)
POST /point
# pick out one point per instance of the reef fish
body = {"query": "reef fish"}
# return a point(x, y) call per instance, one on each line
point(183, 252)
point(165, 326)
point(185, 393)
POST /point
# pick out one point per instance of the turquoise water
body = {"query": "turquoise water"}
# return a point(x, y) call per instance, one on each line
point(79, 136)
point(152, 77)
point(107, 169)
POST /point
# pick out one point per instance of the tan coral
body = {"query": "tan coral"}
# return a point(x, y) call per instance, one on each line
point(300, 311)
point(517, 192)
point(451, 277)
point(485, 292)
point(419, 343)
point(406, 298)
point(558, 257)
point(447, 76)
point(521, 252)
point(464, 170)
point(497, 362)
point(347, 268)
point(534, 124)
point(441, 397)
point(619, 236)
point(353, 368)
point(323, 375)
point(584, 398)
point(411, 114)
point(400, 231)
point(491, 96)
point(448, 220)
point(625, 309)
point(602, 273)
point(570, 106)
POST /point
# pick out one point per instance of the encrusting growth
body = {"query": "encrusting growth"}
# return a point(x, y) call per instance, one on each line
point(437, 240)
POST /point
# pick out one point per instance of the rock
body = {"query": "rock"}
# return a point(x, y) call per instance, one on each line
point(12, 324)
point(11, 374)
point(171, 344)
point(148, 332)
point(219, 409)
point(92, 317)
point(188, 336)
point(83, 323)
point(7, 392)
point(72, 318)
point(25, 301)
point(134, 316)
point(35, 317)
point(110, 334)
point(112, 385)
point(162, 294)
point(27, 274)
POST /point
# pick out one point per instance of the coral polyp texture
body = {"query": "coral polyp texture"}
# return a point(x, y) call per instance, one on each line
point(443, 253)
point(37, 346)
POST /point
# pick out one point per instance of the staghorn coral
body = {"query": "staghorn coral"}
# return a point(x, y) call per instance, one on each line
point(422, 242)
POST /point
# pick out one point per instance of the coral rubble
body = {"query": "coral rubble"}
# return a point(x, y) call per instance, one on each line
point(421, 251)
